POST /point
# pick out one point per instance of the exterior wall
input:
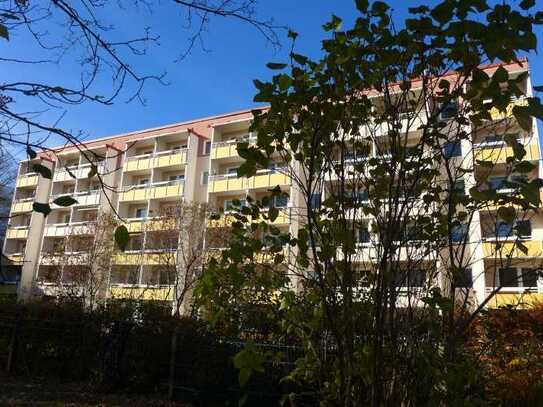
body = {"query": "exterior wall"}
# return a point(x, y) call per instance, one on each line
point(155, 156)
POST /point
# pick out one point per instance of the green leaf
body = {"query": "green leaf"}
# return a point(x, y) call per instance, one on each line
point(507, 214)
point(501, 75)
point(530, 191)
point(65, 200)
point(284, 82)
point(443, 12)
point(362, 5)
point(523, 117)
point(273, 213)
point(4, 32)
point(334, 24)
point(524, 167)
point(302, 60)
point(379, 7)
point(41, 208)
point(43, 171)
point(93, 171)
point(31, 153)
point(526, 4)
point(121, 237)
point(276, 66)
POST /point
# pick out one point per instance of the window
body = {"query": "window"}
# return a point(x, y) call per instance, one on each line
point(141, 212)
point(504, 229)
point(518, 277)
point(229, 204)
point(497, 183)
point(463, 278)
point(207, 148)
point(524, 229)
point(280, 201)
point(143, 181)
point(315, 201)
point(452, 149)
point(205, 177)
point(363, 235)
point(177, 177)
point(410, 278)
point(493, 139)
point(459, 233)
point(66, 218)
point(459, 188)
point(448, 111)
point(232, 171)
point(124, 274)
point(508, 277)
point(135, 241)
point(529, 277)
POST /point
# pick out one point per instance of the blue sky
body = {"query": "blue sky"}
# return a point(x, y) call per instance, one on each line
point(206, 82)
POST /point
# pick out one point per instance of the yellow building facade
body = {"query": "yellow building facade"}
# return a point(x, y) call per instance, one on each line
point(150, 171)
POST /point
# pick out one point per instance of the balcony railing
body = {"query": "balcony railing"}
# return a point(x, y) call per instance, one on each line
point(79, 171)
point(262, 179)
point(22, 205)
point(71, 228)
point(140, 292)
point(498, 152)
point(17, 232)
point(162, 189)
point(84, 198)
point(27, 180)
point(226, 149)
point(496, 114)
point(226, 219)
point(158, 159)
point(146, 257)
point(151, 223)
point(505, 248)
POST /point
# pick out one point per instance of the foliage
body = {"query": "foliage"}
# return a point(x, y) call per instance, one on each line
point(364, 134)
point(508, 343)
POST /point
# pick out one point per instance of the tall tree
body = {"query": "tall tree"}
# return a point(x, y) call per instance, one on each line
point(389, 214)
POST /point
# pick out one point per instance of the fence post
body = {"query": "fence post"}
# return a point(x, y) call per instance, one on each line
point(173, 359)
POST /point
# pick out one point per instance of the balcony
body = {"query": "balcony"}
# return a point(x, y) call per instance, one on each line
point(79, 171)
point(157, 190)
point(84, 198)
point(72, 228)
point(16, 258)
point(22, 205)
point(17, 232)
point(150, 224)
point(141, 293)
point(149, 258)
point(499, 152)
point(495, 114)
point(521, 300)
point(228, 149)
point(27, 180)
point(227, 219)
point(493, 248)
point(156, 160)
point(263, 179)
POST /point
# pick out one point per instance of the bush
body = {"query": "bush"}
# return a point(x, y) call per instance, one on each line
point(509, 346)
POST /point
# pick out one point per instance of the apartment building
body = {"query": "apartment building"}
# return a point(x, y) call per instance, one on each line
point(197, 161)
